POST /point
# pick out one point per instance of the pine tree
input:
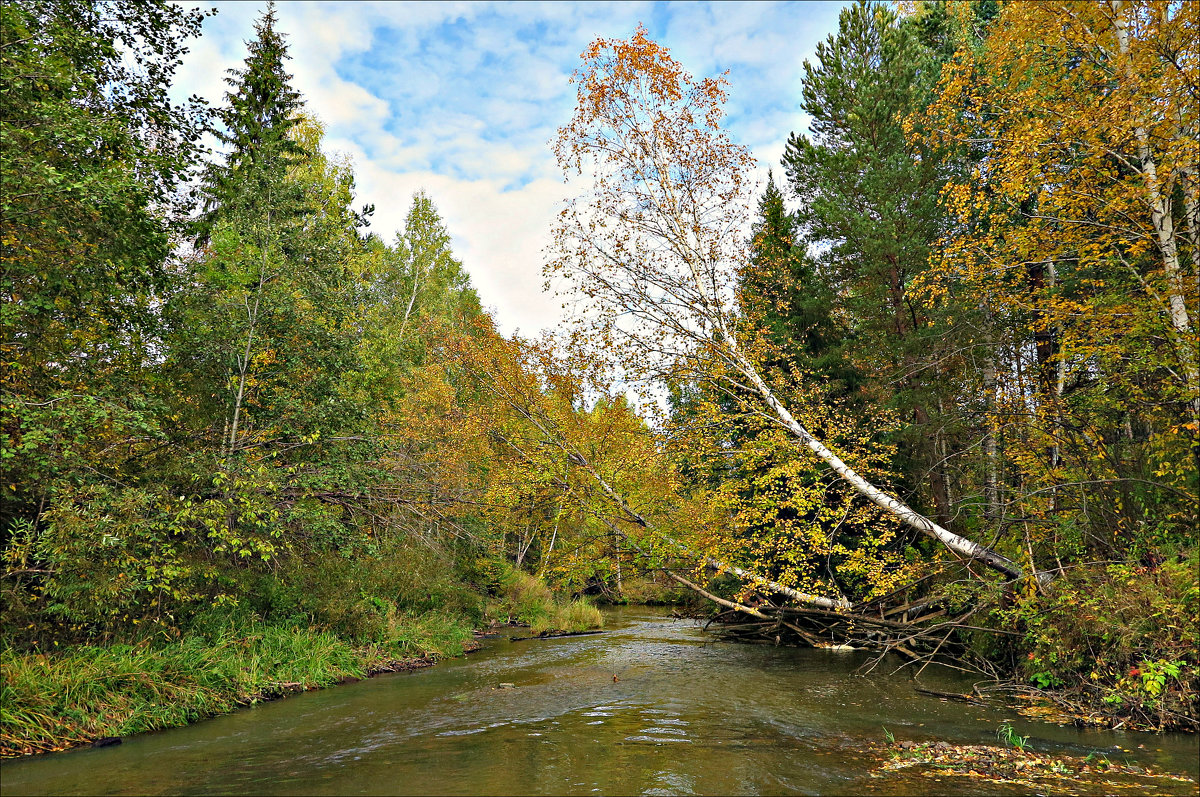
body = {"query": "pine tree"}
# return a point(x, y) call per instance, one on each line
point(871, 209)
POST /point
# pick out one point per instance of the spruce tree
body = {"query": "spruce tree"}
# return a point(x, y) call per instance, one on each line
point(272, 286)
point(784, 294)
point(262, 108)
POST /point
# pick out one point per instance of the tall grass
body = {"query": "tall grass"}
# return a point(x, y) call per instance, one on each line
point(61, 700)
point(526, 599)
point(301, 628)
point(578, 615)
point(434, 634)
point(55, 701)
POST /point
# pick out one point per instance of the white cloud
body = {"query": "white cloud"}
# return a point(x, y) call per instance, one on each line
point(461, 99)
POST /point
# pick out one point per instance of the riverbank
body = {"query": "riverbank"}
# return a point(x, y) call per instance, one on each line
point(83, 695)
point(78, 695)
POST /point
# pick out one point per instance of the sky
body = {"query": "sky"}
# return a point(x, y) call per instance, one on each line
point(461, 100)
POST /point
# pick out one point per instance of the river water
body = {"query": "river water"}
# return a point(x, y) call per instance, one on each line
point(684, 715)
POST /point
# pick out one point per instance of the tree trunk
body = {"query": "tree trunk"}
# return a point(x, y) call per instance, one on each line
point(888, 503)
point(1164, 227)
point(991, 477)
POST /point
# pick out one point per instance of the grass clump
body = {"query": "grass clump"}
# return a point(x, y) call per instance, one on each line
point(526, 599)
point(578, 615)
point(434, 635)
point(53, 701)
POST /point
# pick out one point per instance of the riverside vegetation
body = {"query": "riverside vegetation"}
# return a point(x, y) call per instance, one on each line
point(948, 408)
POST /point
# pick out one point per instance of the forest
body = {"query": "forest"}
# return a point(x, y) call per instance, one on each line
point(933, 390)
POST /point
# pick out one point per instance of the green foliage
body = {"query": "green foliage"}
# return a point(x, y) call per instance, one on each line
point(1008, 736)
point(94, 152)
point(364, 598)
point(526, 599)
point(1156, 674)
point(1125, 634)
point(118, 556)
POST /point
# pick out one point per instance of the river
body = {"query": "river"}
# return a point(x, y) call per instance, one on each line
point(683, 715)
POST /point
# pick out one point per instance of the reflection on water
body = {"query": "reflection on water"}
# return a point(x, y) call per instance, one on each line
point(683, 715)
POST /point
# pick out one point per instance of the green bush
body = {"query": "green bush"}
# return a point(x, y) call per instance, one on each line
point(650, 591)
point(1123, 635)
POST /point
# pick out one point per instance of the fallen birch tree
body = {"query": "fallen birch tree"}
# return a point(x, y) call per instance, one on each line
point(652, 242)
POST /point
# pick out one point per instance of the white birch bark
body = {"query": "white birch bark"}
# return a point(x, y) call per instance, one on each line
point(1160, 205)
point(991, 477)
point(243, 360)
point(890, 504)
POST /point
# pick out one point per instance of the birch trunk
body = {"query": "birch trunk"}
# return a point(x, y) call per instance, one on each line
point(1160, 203)
point(991, 480)
point(244, 362)
point(888, 503)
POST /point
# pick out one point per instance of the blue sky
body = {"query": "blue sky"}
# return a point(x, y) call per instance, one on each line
point(461, 99)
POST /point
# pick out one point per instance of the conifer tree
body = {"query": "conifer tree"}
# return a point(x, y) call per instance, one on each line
point(271, 285)
point(262, 109)
point(785, 296)
point(870, 207)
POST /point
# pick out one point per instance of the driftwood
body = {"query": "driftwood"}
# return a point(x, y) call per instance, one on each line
point(949, 695)
point(553, 636)
point(921, 630)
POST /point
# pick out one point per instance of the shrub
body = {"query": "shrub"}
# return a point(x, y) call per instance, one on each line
point(1125, 635)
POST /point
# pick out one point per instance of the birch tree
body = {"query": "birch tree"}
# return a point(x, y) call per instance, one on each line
point(1076, 227)
point(652, 240)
